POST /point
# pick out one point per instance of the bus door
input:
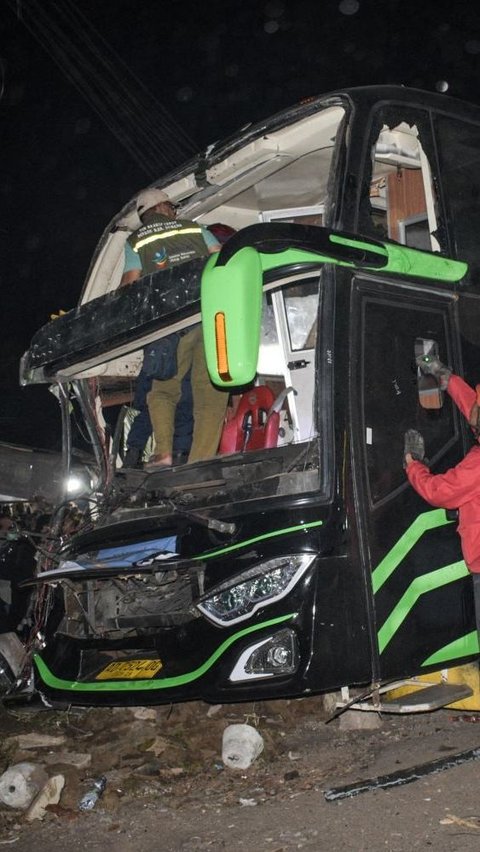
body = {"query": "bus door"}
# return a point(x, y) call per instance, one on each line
point(295, 313)
point(420, 585)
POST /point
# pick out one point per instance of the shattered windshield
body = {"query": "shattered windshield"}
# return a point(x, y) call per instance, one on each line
point(268, 428)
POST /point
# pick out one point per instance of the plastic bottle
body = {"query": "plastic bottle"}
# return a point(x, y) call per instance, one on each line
point(91, 797)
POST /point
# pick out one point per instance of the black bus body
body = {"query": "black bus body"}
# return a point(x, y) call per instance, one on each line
point(310, 565)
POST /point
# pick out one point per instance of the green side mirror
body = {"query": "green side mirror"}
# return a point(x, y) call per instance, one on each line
point(231, 300)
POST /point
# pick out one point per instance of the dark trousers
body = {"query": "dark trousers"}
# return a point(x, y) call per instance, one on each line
point(141, 428)
point(209, 402)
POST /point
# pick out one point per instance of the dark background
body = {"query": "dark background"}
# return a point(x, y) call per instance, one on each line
point(212, 67)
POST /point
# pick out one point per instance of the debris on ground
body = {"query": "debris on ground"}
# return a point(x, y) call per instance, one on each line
point(403, 776)
point(91, 797)
point(34, 740)
point(466, 823)
point(241, 745)
point(21, 783)
point(169, 758)
point(48, 795)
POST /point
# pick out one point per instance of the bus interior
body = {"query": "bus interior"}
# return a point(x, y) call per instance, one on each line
point(288, 175)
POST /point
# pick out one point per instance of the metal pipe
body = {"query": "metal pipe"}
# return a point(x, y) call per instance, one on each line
point(63, 398)
point(83, 392)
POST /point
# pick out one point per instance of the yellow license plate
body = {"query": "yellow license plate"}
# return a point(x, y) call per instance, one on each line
point(130, 670)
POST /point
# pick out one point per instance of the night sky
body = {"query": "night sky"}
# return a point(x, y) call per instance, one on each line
point(210, 69)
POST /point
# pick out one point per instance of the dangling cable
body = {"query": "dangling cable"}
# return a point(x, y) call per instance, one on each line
point(140, 123)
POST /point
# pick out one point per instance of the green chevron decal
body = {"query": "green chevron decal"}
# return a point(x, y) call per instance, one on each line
point(465, 646)
point(424, 522)
point(419, 586)
point(151, 684)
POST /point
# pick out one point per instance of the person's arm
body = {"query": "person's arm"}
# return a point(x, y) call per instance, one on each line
point(210, 241)
point(448, 490)
point(462, 394)
point(130, 277)
point(132, 269)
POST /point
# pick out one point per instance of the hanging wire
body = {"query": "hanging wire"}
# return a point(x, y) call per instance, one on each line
point(109, 57)
point(123, 102)
point(135, 97)
point(108, 103)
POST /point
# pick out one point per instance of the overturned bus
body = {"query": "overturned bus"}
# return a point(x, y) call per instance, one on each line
point(302, 561)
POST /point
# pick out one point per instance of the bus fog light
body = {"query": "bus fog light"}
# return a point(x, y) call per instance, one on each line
point(280, 657)
point(277, 655)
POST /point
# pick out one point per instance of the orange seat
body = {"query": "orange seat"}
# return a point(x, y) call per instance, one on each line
point(254, 425)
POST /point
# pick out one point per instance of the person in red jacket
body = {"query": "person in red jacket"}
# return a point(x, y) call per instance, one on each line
point(459, 487)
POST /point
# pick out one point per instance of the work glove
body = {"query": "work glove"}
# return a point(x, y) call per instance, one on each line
point(430, 365)
point(415, 445)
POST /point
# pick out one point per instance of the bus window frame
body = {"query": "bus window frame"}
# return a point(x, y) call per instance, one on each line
point(366, 292)
point(391, 114)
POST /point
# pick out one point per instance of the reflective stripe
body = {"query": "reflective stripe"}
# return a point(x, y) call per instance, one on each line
point(164, 236)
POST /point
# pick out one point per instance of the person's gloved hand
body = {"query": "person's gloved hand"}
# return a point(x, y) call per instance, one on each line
point(414, 446)
point(430, 365)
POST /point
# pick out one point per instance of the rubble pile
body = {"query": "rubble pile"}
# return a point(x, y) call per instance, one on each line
point(177, 753)
point(183, 758)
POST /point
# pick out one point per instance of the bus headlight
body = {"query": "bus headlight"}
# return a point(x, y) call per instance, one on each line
point(78, 483)
point(238, 598)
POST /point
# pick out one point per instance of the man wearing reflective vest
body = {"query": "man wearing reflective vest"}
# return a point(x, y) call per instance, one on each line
point(459, 487)
point(161, 242)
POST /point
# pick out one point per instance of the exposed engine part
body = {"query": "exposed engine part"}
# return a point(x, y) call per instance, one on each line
point(134, 604)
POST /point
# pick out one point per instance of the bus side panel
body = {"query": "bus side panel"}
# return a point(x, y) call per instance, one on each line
point(342, 650)
point(422, 590)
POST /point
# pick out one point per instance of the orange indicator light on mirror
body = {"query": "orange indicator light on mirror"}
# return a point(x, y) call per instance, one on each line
point(221, 345)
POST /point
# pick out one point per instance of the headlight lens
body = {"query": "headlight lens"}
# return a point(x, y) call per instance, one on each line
point(263, 584)
point(78, 483)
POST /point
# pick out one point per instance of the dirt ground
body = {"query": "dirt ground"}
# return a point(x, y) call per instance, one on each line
point(167, 788)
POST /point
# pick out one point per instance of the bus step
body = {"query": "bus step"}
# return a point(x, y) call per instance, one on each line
point(427, 698)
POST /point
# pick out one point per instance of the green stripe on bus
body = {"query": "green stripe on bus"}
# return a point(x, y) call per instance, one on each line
point(420, 586)
point(55, 682)
point(424, 522)
point(220, 550)
point(465, 646)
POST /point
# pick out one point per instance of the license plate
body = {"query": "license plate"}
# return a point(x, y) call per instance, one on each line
point(130, 670)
